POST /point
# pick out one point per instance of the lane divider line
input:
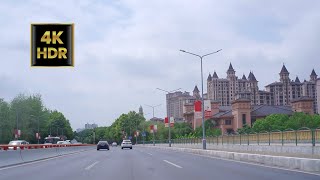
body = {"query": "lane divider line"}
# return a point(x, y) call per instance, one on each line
point(89, 167)
point(149, 154)
point(172, 164)
point(41, 160)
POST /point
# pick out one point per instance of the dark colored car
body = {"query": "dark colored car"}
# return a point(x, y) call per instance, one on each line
point(102, 145)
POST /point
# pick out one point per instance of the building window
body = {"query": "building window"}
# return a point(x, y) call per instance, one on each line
point(243, 119)
point(227, 122)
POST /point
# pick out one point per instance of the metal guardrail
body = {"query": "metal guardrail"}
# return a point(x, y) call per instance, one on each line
point(302, 136)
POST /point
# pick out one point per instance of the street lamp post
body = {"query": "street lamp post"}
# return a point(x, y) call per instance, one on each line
point(153, 108)
point(202, 99)
point(168, 112)
point(38, 117)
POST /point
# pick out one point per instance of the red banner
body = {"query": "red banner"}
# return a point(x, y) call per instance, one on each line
point(166, 120)
point(151, 129)
point(197, 106)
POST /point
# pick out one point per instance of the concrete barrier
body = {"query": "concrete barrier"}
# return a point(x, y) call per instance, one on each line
point(286, 150)
point(29, 153)
point(36, 154)
point(303, 164)
point(10, 157)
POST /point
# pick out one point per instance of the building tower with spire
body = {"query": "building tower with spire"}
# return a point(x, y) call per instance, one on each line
point(141, 111)
point(313, 76)
point(196, 93)
point(231, 76)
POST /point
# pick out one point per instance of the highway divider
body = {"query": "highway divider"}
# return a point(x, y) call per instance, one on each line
point(18, 154)
point(303, 164)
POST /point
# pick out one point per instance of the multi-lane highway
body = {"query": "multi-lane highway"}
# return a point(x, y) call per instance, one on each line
point(144, 164)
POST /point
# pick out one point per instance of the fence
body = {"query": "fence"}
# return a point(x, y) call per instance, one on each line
point(302, 136)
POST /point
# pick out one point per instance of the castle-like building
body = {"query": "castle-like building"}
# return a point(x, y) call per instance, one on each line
point(227, 90)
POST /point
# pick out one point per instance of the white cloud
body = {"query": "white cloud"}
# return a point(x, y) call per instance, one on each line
point(125, 49)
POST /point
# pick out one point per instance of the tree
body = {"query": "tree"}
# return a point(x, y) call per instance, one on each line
point(282, 122)
point(271, 122)
point(26, 113)
point(58, 125)
point(6, 125)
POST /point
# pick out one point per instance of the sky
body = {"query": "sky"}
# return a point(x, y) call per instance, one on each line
point(125, 49)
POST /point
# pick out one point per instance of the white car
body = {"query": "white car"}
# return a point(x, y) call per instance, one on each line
point(63, 142)
point(126, 144)
point(114, 144)
point(16, 143)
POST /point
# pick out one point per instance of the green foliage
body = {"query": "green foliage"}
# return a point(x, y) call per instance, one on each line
point(28, 113)
point(282, 122)
point(210, 129)
point(245, 130)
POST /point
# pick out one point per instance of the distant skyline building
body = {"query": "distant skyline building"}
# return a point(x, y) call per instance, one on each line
point(90, 126)
point(227, 90)
point(176, 101)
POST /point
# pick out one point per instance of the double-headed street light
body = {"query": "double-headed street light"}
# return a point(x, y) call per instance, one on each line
point(153, 117)
point(168, 112)
point(38, 117)
point(202, 100)
point(153, 108)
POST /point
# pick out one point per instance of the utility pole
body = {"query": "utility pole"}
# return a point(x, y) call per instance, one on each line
point(17, 117)
point(94, 136)
point(204, 142)
point(168, 111)
point(153, 138)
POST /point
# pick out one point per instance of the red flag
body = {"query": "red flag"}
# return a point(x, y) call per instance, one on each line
point(197, 106)
point(166, 120)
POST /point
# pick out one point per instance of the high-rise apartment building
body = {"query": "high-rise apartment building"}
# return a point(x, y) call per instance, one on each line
point(176, 101)
point(226, 90)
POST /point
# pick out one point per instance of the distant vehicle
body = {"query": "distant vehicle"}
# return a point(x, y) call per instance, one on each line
point(51, 140)
point(102, 145)
point(60, 142)
point(17, 142)
point(126, 144)
point(114, 144)
point(63, 142)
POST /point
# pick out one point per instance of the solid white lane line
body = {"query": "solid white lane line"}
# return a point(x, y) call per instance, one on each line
point(172, 164)
point(89, 167)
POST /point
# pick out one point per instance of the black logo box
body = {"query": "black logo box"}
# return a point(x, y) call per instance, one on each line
point(67, 37)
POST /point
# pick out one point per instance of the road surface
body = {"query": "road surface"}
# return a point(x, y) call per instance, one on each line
point(144, 164)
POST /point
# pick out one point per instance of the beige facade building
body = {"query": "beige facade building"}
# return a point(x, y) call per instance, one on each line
point(177, 100)
point(225, 91)
point(242, 112)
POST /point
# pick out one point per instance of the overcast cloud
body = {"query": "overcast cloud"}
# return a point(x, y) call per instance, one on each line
point(125, 49)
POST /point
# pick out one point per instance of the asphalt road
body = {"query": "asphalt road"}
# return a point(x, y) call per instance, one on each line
point(144, 164)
